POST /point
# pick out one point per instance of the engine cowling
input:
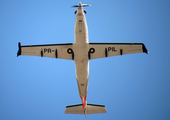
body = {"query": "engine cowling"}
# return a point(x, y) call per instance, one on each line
point(83, 11)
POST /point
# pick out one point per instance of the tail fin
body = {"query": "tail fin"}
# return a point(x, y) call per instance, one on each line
point(90, 109)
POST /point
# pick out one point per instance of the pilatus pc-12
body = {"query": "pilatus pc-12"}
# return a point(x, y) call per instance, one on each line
point(81, 51)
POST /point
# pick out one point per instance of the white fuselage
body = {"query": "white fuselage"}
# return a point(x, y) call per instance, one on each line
point(81, 53)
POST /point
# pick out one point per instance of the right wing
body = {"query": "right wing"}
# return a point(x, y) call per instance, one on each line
point(63, 51)
point(101, 50)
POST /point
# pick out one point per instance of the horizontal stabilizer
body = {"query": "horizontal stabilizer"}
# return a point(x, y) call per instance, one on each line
point(90, 109)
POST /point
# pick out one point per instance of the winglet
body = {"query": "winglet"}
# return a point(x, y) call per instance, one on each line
point(144, 49)
point(19, 51)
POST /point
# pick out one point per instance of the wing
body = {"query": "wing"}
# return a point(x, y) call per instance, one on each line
point(101, 50)
point(63, 51)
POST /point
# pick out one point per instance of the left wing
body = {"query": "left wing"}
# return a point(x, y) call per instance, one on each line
point(100, 50)
point(63, 51)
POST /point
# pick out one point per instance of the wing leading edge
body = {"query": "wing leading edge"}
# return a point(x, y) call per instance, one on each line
point(63, 51)
point(101, 50)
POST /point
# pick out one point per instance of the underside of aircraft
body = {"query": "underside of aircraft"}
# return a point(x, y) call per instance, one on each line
point(81, 51)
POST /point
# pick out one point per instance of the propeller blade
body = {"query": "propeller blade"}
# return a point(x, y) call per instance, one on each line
point(85, 5)
point(75, 6)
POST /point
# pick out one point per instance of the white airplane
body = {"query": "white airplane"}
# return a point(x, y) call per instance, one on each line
point(81, 51)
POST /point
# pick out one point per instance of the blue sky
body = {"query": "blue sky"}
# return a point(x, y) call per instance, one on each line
point(132, 87)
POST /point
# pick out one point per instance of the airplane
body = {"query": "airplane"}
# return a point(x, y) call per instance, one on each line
point(81, 51)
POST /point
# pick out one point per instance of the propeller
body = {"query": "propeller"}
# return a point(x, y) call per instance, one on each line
point(81, 5)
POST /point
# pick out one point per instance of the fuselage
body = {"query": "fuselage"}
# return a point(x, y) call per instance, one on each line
point(81, 54)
